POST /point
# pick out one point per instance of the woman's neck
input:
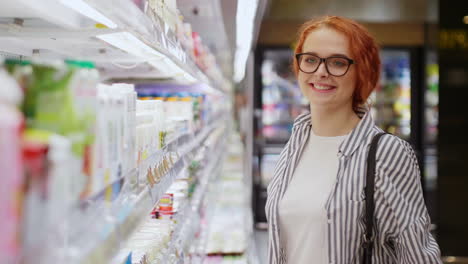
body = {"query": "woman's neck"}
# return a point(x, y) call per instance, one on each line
point(333, 122)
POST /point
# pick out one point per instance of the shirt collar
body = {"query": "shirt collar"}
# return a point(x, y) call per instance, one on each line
point(355, 138)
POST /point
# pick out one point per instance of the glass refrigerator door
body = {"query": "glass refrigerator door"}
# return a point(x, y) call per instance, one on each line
point(432, 100)
point(281, 97)
point(431, 132)
point(391, 102)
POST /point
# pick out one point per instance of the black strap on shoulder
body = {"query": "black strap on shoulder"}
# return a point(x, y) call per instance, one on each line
point(369, 190)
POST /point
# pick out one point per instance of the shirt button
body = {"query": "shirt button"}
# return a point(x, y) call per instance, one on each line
point(329, 221)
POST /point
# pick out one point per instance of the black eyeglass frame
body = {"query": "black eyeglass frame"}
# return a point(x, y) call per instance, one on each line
point(298, 56)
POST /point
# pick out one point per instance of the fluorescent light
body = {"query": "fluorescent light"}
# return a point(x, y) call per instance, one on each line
point(245, 17)
point(83, 8)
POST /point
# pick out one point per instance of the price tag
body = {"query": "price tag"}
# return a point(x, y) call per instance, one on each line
point(129, 259)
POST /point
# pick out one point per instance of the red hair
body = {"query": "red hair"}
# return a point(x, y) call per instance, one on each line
point(363, 46)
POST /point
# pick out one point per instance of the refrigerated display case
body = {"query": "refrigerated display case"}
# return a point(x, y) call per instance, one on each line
point(278, 101)
point(431, 114)
point(432, 100)
point(113, 172)
point(391, 101)
point(282, 101)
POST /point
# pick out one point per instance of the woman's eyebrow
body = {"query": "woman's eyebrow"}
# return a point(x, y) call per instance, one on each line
point(331, 55)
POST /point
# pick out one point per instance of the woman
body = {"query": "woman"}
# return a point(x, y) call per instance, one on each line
point(315, 204)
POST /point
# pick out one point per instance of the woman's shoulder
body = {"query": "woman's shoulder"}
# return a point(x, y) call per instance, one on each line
point(393, 150)
point(302, 119)
point(390, 142)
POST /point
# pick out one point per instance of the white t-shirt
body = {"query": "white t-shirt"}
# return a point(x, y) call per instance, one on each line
point(302, 214)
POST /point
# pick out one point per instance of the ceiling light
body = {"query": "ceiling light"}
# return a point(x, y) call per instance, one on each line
point(86, 10)
point(245, 18)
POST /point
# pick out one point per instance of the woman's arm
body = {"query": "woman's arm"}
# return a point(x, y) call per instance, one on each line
point(400, 184)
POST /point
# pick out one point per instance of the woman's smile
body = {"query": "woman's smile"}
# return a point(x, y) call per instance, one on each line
point(322, 88)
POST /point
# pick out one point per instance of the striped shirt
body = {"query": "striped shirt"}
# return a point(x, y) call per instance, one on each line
point(401, 218)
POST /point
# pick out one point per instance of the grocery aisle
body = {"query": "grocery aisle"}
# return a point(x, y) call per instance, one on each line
point(117, 142)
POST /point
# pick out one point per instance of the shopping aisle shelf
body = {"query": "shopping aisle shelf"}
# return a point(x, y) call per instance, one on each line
point(116, 34)
point(141, 190)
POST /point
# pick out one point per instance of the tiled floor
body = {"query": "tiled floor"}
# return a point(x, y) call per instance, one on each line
point(261, 242)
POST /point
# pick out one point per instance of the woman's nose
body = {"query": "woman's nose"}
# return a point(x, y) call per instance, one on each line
point(322, 70)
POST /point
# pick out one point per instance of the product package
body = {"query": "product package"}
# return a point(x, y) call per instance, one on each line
point(11, 181)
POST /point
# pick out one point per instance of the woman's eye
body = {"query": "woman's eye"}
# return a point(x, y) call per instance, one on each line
point(338, 63)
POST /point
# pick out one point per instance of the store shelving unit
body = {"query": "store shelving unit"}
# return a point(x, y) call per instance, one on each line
point(130, 208)
point(125, 43)
point(122, 35)
point(189, 220)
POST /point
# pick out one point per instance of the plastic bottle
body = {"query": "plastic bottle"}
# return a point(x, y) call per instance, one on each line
point(11, 127)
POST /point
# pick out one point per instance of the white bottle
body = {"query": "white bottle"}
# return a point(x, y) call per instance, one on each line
point(11, 167)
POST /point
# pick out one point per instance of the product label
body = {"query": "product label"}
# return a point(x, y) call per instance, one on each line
point(108, 195)
point(129, 259)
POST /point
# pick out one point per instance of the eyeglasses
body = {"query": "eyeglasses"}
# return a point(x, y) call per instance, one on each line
point(335, 65)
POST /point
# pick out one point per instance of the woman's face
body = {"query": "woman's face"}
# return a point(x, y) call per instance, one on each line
point(322, 89)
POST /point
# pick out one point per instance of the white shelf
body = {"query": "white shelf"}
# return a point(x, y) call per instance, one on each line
point(41, 13)
point(188, 221)
point(140, 47)
point(188, 218)
point(95, 233)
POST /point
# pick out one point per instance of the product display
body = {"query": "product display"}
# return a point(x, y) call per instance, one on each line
point(180, 39)
point(82, 141)
point(11, 129)
point(281, 96)
point(114, 134)
point(176, 213)
point(431, 130)
point(227, 228)
point(432, 100)
point(190, 110)
point(391, 102)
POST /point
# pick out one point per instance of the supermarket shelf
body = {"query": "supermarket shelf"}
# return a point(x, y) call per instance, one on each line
point(185, 151)
point(188, 222)
point(143, 47)
point(188, 218)
point(177, 149)
point(42, 12)
point(128, 209)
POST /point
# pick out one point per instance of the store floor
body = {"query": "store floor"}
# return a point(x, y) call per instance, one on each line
point(261, 242)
